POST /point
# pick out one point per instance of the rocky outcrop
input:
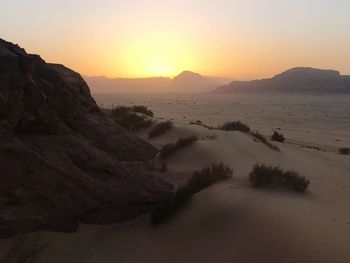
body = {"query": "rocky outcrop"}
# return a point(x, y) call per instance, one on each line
point(60, 155)
point(300, 79)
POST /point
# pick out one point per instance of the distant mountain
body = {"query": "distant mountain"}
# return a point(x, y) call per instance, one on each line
point(185, 82)
point(188, 81)
point(300, 79)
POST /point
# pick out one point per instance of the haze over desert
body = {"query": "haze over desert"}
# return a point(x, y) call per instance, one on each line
point(174, 131)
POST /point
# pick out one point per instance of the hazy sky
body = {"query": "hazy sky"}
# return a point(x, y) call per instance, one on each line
point(236, 38)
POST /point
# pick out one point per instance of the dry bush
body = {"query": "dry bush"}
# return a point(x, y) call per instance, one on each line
point(344, 151)
point(129, 119)
point(160, 128)
point(171, 148)
point(200, 180)
point(235, 126)
point(262, 139)
point(268, 176)
point(278, 137)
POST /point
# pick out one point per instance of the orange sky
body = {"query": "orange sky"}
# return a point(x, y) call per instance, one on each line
point(137, 38)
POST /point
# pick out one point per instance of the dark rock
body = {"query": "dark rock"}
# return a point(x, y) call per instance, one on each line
point(60, 154)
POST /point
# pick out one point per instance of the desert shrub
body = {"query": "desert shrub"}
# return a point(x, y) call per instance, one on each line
point(200, 180)
point(120, 111)
point(130, 120)
point(137, 108)
point(345, 151)
point(268, 176)
point(235, 126)
point(200, 123)
point(170, 148)
point(170, 206)
point(160, 129)
point(197, 122)
point(142, 109)
point(208, 176)
point(278, 137)
point(262, 139)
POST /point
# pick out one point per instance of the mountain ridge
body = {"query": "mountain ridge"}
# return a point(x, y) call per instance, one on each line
point(185, 82)
point(298, 79)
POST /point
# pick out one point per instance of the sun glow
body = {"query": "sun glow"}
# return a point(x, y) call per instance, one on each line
point(156, 55)
point(159, 66)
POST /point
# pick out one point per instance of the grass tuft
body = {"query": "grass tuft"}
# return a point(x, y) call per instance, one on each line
point(171, 148)
point(268, 176)
point(344, 151)
point(235, 126)
point(207, 176)
point(262, 139)
point(200, 180)
point(130, 119)
point(160, 128)
point(142, 109)
point(239, 126)
point(278, 137)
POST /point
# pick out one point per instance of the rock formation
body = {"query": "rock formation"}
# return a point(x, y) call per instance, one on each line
point(294, 80)
point(60, 155)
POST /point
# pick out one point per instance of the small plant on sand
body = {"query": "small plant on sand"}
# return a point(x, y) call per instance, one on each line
point(200, 123)
point(278, 137)
point(200, 180)
point(170, 148)
point(142, 109)
point(129, 119)
point(268, 176)
point(235, 126)
point(160, 128)
point(207, 176)
point(344, 151)
point(262, 139)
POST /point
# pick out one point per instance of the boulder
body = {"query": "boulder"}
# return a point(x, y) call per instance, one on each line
point(62, 160)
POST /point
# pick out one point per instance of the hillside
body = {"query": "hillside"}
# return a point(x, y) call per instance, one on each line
point(294, 80)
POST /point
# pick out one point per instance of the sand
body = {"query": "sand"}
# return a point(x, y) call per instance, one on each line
point(230, 221)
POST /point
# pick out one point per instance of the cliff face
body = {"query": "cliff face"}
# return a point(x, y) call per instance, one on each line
point(59, 153)
point(295, 80)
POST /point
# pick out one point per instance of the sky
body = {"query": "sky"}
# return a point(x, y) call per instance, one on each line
point(241, 39)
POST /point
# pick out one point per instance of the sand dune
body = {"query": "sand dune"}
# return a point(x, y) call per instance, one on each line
point(231, 221)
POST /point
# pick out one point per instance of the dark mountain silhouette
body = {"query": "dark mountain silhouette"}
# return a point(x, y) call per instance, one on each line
point(301, 79)
point(59, 153)
point(185, 82)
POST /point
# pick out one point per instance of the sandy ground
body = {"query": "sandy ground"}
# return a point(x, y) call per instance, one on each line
point(231, 221)
point(304, 118)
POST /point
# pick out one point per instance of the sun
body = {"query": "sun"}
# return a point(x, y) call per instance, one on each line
point(156, 55)
point(159, 66)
